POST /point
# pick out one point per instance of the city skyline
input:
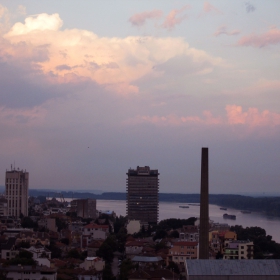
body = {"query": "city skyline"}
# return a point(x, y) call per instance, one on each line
point(90, 89)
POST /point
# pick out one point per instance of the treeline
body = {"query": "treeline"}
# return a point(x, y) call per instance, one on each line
point(264, 246)
point(267, 205)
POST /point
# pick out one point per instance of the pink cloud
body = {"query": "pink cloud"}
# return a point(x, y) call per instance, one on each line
point(223, 31)
point(234, 116)
point(208, 8)
point(174, 18)
point(252, 117)
point(271, 37)
point(140, 18)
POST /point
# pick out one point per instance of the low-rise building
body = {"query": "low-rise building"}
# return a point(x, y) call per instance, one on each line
point(93, 263)
point(239, 249)
point(182, 250)
point(16, 272)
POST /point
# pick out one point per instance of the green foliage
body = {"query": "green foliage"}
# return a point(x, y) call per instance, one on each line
point(56, 252)
point(74, 253)
point(174, 234)
point(173, 267)
point(61, 224)
point(65, 241)
point(263, 244)
point(160, 234)
point(125, 268)
point(106, 250)
point(27, 222)
point(107, 273)
point(119, 223)
point(23, 258)
point(175, 223)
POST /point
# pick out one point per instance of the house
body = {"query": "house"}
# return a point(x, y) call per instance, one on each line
point(93, 232)
point(189, 233)
point(93, 247)
point(90, 275)
point(182, 250)
point(93, 263)
point(16, 272)
point(33, 238)
point(8, 248)
point(133, 248)
point(147, 261)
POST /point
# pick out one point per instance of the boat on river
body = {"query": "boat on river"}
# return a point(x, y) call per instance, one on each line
point(228, 216)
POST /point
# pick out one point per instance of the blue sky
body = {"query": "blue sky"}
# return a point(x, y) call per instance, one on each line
point(92, 88)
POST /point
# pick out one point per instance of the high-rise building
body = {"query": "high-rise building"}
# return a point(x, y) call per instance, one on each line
point(86, 208)
point(16, 183)
point(142, 195)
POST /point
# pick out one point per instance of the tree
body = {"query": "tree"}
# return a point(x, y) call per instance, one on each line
point(23, 258)
point(125, 268)
point(74, 254)
point(107, 273)
point(174, 267)
point(27, 222)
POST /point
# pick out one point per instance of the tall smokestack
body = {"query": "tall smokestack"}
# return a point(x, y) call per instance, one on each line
point(204, 208)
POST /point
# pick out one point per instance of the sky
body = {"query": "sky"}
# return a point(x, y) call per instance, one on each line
point(89, 89)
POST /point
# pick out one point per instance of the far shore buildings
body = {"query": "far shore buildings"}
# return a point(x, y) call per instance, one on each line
point(16, 183)
point(142, 195)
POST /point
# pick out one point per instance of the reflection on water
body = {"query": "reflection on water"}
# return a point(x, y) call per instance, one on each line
point(172, 210)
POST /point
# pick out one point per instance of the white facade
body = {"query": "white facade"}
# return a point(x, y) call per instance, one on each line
point(16, 183)
point(93, 263)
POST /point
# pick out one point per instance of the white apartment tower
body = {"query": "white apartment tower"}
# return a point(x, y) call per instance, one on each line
point(16, 182)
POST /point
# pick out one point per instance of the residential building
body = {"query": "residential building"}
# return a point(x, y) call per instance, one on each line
point(8, 248)
point(93, 263)
point(189, 233)
point(142, 195)
point(28, 272)
point(48, 223)
point(182, 250)
point(93, 232)
point(16, 183)
point(239, 249)
point(86, 208)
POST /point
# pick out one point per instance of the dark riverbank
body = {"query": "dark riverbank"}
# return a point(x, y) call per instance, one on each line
point(267, 205)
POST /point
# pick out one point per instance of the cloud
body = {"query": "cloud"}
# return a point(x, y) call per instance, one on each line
point(252, 117)
point(223, 31)
point(175, 17)
point(249, 7)
point(271, 37)
point(36, 23)
point(141, 18)
point(80, 54)
point(208, 8)
point(234, 116)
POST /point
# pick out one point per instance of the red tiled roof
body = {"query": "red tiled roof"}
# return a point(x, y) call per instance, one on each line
point(185, 243)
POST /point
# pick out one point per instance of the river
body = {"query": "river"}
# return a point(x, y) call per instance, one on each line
point(171, 210)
